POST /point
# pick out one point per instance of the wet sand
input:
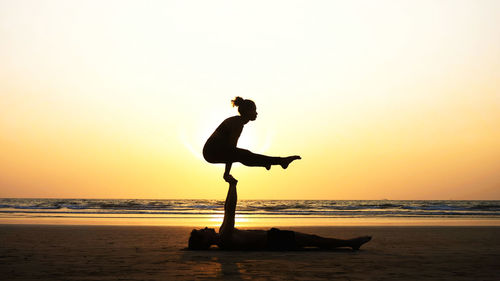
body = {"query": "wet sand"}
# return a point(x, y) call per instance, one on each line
point(63, 252)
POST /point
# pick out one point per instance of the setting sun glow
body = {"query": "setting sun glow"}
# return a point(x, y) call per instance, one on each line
point(382, 99)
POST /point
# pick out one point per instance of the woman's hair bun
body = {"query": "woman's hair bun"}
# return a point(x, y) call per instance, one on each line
point(237, 101)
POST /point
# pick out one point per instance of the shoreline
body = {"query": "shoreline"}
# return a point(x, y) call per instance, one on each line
point(249, 221)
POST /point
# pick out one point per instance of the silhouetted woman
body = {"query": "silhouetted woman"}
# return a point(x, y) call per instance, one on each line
point(221, 145)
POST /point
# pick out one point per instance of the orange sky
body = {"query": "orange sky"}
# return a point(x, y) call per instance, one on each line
point(385, 99)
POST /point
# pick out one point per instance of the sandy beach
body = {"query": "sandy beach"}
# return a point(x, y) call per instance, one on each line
point(62, 252)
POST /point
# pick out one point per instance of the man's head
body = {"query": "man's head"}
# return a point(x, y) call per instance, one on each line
point(202, 239)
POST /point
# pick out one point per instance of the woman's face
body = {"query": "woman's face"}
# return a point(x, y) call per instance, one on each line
point(251, 113)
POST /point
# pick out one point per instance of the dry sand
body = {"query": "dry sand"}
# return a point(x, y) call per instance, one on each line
point(42, 252)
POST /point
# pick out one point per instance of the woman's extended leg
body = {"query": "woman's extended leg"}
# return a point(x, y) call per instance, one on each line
point(248, 158)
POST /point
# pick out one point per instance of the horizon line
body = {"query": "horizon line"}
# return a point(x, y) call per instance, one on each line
point(384, 199)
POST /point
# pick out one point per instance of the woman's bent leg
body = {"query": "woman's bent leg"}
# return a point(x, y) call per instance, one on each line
point(249, 158)
point(245, 157)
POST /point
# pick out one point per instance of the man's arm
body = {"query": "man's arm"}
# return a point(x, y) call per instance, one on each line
point(227, 226)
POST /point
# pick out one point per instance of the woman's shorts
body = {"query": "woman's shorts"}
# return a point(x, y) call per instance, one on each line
point(217, 154)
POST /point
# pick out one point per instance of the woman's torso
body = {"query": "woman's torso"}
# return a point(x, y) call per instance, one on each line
point(223, 139)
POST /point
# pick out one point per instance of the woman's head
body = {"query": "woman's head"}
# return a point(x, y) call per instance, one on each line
point(246, 108)
point(202, 239)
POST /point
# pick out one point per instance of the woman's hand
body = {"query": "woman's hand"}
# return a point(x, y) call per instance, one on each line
point(230, 179)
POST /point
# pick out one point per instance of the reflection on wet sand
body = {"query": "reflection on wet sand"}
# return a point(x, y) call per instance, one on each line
point(254, 221)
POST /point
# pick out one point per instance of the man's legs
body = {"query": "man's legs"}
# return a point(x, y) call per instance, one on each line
point(311, 240)
point(227, 226)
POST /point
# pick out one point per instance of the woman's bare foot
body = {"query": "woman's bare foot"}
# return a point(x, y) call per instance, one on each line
point(287, 160)
point(357, 242)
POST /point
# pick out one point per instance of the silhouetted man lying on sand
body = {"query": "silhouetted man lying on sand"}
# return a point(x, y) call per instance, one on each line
point(230, 238)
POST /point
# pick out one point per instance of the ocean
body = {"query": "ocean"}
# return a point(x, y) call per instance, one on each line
point(295, 208)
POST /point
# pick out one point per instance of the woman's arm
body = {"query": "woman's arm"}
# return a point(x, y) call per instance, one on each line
point(227, 176)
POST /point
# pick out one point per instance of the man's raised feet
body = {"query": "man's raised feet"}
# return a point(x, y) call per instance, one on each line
point(230, 179)
point(357, 242)
point(287, 160)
